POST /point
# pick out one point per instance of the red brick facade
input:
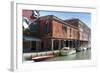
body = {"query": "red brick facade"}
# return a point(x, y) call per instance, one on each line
point(52, 28)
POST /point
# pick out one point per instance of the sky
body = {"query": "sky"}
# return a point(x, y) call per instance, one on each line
point(85, 17)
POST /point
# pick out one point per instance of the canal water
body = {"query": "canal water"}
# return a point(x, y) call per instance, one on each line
point(83, 55)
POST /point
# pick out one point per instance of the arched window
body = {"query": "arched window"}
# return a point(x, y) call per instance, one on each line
point(47, 27)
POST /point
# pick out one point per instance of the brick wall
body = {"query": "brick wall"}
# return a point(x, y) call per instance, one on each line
point(64, 31)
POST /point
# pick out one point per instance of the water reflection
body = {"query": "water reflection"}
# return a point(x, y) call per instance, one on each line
point(83, 55)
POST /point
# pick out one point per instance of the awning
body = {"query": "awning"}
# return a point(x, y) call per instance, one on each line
point(27, 38)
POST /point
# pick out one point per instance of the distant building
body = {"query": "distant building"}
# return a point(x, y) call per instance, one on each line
point(84, 30)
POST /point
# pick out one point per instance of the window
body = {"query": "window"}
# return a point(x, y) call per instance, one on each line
point(64, 28)
point(34, 27)
point(47, 28)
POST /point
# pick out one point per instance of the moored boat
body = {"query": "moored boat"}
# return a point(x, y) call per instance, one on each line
point(41, 58)
point(67, 51)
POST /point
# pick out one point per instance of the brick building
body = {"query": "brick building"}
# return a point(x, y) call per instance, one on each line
point(49, 33)
point(84, 32)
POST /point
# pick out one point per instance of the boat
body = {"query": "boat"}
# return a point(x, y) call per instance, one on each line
point(41, 58)
point(67, 51)
point(81, 49)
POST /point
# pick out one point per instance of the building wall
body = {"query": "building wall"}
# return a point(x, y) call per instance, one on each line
point(45, 44)
point(45, 27)
point(27, 13)
point(84, 30)
point(63, 31)
point(74, 34)
point(57, 31)
point(83, 36)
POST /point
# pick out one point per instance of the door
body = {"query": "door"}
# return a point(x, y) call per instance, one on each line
point(33, 48)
